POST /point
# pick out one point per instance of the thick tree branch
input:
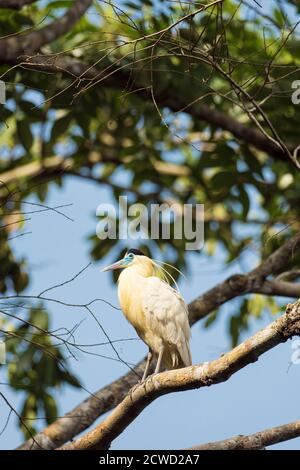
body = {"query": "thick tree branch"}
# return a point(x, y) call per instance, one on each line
point(15, 4)
point(56, 165)
point(283, 289)
point(224, 121)
point(35, 168)
point(13, 46)
point(253, 282)
point(65, 165)
point(275, 263)
point(62, 430)
point(83, 415)
point(118, 77)
point(202, 375)
point(256, 441)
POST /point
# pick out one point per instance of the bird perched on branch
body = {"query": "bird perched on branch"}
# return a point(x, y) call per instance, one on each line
point(156, 310)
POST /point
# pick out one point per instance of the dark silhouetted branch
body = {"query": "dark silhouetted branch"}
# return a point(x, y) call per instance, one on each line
point(15, 4)
point(14, 46)
point(119, 76)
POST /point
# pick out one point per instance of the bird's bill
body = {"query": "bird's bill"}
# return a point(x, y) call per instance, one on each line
point(118, 265)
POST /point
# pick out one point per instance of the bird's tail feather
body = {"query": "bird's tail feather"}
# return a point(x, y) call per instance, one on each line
point(185, 354)
point(178, 358)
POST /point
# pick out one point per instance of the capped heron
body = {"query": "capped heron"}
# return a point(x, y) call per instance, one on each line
point(156, 310)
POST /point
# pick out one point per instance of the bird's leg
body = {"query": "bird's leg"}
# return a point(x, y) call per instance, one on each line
point(148, 363)
point(158, 364)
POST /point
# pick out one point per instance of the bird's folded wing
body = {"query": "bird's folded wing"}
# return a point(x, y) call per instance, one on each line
point(166, 313)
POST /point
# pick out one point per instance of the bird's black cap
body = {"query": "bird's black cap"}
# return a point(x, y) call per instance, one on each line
point(136, 252)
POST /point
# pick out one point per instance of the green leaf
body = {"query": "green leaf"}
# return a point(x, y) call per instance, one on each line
point(234, 330)
point(50, 408)
point(211, 318)
point(24, 134)
point(60, 4)
point(223, 179)
point(60, 126)
point(245, 200)
point(32, 110)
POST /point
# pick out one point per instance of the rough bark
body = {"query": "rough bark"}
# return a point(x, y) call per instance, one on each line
point(257, 441)
point(192, 377)
point(26, 43)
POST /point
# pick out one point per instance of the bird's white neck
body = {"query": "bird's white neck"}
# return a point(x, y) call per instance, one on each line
point(131, 284)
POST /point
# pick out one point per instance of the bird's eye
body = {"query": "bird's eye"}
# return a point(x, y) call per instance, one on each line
point(131, 256)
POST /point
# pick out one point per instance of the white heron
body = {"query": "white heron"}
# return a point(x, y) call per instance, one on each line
point(156, 310)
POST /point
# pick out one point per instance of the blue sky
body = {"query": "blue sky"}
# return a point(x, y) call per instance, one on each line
point(261, 395)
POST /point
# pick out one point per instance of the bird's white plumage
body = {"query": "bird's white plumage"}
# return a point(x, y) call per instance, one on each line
point(166, 322)
point(156, 311)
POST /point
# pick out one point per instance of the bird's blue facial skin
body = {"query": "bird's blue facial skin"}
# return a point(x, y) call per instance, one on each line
point(128, 259)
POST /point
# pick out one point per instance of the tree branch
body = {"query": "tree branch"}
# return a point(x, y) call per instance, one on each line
point(192, 377)
point(217, 118)
point(62, 430)
point(83, 415)
point(118, 77)
point(15, 4)
point(253, 282)
point(275, 263)
point(256, 441)
point(283, 289)
point(13, 46)
point(58, 164)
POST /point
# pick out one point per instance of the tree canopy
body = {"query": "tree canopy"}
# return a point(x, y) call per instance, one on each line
point(159, 101)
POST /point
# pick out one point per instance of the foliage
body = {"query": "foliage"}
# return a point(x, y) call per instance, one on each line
point(36, 365)
point(140, 115)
